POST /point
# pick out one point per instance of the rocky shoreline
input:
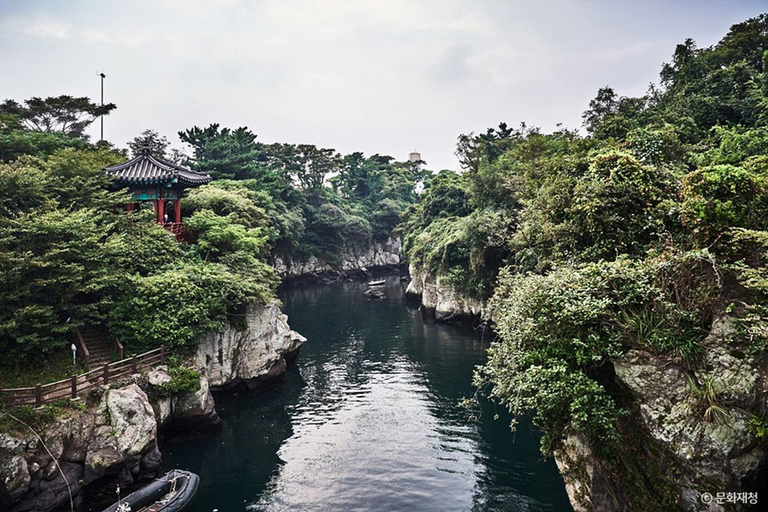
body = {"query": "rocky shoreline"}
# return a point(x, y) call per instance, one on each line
point(355, 262)
point(437, 298)
point(115, 439)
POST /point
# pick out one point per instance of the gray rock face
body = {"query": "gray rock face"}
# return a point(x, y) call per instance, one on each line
point(713, 447)
point(48, 494)
point(103, 456)
point(163, 403)
point(15, 477)
point(378, 254)
point(110, 439)
point(133, 420)
point(439, 297)
point(585, 484)
point(254, 353)
point(375, 293)
point(195, 408)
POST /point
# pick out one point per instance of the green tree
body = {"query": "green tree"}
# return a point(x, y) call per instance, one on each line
point(157, 144)
point(63, 114)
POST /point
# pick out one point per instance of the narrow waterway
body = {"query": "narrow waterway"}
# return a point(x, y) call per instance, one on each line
point(368, 419)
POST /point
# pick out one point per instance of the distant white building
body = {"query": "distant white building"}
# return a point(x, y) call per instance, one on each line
point(414, 157)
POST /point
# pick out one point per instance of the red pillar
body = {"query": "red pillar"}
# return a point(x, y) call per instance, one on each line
point(177, 210)
point(160, 209)
point(129, 207)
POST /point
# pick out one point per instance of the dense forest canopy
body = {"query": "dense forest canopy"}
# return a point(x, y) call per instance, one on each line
point(634, 235)
point(70, 256)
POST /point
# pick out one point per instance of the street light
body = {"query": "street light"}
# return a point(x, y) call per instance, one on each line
point(103, 76)
point(73, 347)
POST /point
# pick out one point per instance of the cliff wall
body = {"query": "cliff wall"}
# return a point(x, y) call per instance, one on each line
point(250, 355)
point(378, 254)
point(688, 437)
point(440, 298)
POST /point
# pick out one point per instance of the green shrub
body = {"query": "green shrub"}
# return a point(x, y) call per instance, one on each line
point(721, 197)
point(758, 427)
point(183, 380)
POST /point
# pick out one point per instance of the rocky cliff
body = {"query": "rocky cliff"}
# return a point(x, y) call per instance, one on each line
point(688, 434)
point(441, 299)
point(377, 254)
point(114, 438)
point(252, 354)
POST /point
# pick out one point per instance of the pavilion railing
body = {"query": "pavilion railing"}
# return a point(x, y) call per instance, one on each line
point(177, 228)
point(71, 387)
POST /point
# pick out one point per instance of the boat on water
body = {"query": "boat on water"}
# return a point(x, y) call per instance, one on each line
point(377, 283)
point(169, 493)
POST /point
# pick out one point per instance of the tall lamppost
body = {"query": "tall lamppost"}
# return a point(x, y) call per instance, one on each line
point(103, 76)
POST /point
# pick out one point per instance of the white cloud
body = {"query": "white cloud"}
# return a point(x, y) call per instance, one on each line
point(49, 28)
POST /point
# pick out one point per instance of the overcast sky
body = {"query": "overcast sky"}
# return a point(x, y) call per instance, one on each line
point(378, 76)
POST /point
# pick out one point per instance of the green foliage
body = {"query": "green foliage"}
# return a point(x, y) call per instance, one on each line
point(149, 139)
point(64, 114)
point(704, 401)
point(719, 197)
point(13, 420)
point(614, 205)
point(243, 199)
point(183, 380)
point(554, 331)
point(235, 154)
point(16, 143)
point(634, 237)
point(758, 426)
point(70, 257)
point(217, 235)
point(558, 330)
point(315, 201)
point(174, 306)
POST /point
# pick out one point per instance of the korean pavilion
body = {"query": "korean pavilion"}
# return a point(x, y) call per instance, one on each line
point(153, 179)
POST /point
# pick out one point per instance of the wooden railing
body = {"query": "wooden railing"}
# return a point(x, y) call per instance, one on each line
point(83, 348)
point(70, 387)
point(119, 349)
point(177, 228)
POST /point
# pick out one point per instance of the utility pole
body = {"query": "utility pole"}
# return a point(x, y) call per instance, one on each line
point(103, 76)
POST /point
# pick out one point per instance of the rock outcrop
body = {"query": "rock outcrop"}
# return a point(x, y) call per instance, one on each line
point(115, 438)
point(385, 253)
point(252, 354)
point(194, 409)
point(698, 420)
point(441, 299)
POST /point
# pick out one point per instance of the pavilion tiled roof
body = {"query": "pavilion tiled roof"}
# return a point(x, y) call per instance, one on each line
point(146, 169)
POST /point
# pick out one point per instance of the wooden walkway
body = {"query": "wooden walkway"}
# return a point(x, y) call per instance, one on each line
point(71, 387)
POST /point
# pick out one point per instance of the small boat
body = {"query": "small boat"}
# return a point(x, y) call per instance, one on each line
point(377, 283)
point(170, 493)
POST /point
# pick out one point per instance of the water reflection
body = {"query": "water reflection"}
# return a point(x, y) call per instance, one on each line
point(369, 420)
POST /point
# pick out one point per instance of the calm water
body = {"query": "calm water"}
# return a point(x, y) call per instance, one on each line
point(368, 420)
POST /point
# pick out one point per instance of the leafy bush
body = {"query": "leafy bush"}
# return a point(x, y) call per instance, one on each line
point(758, 426)
point(176, 305)
point(183, 380)
point(558, 330)
point(720, 197)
